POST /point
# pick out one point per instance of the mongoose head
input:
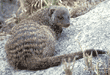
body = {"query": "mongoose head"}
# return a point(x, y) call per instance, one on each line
point(60, 16)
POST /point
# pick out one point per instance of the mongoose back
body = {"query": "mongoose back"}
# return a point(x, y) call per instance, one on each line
point(32, 46)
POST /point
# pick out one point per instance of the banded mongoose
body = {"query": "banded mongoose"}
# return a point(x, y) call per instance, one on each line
point(32, 46)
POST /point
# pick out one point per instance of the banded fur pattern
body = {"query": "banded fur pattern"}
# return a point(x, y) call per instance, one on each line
point(29, 41)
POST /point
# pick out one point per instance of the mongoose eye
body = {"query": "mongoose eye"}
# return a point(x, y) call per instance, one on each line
point(60, 17)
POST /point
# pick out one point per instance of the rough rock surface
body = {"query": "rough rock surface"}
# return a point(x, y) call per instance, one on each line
point(94, 28)
point(8, 9)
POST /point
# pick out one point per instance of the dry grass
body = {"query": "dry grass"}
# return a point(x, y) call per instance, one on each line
point(27, 7)
point(67, 67)
point(93, 69)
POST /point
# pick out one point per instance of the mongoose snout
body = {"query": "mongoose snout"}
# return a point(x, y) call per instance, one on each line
point(63, 25)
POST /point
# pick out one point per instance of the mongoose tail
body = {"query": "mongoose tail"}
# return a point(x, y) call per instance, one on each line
point(57, 60)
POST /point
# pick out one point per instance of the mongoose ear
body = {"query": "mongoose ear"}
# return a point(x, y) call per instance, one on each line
point(51, 11)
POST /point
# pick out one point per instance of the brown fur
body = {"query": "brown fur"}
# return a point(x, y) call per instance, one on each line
point(32, 43)
point(32, 46)
point(29, 42)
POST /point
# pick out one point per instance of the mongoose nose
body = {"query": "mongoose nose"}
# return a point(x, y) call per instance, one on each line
point(67, 25)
